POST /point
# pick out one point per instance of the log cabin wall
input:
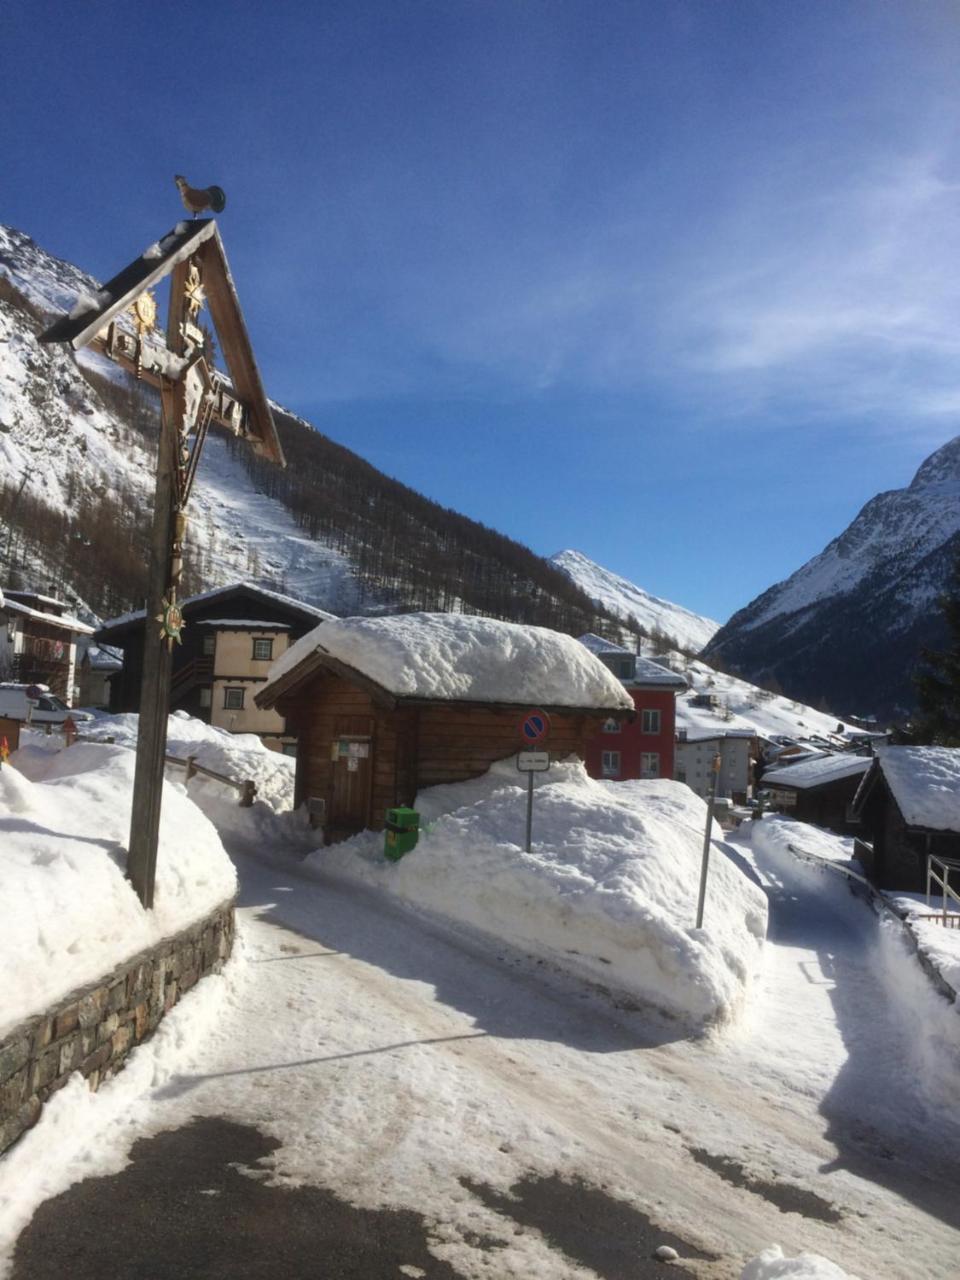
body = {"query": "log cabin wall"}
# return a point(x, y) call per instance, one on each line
point(459, 743)
point(410, 747)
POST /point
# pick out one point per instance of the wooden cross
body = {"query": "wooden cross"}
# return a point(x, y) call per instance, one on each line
point(121, 323)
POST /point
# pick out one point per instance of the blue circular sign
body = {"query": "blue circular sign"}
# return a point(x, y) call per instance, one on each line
point(535, 726)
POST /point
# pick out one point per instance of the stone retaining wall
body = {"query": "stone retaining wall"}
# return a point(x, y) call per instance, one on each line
point(93, 1029)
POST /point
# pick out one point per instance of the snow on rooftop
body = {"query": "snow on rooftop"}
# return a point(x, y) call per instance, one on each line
point(649, 672)
point(813, 773)
point(925, 782)
point(64, 620)
point(462, 658)
point(245, 624)
point(597, 644)
point(122, 619)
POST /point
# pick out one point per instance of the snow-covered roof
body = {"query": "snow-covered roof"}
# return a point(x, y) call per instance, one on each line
point(63, 620)
point(814, 773)
point(652, 673)
point(705, 735)
point(597, 644)
point(124, 619)
point(453, 657)
point(244, 624)
point(925, 782)
point(103, 658)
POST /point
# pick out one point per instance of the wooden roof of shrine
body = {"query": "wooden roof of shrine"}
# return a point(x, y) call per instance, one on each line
point(200, 239)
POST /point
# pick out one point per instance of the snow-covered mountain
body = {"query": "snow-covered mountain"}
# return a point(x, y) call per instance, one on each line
point(848, 626)
point(626, 600)
point(77, 443)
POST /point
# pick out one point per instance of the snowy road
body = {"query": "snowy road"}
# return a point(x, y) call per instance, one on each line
point(401, 1066)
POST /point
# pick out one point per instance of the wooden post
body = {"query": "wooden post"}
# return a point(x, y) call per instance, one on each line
point(155, 683)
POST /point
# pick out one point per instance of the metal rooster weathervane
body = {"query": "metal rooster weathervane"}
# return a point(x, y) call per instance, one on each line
point(121, 323)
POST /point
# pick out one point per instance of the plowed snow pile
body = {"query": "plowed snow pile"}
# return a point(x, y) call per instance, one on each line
point(609, 889)
point(71, 914)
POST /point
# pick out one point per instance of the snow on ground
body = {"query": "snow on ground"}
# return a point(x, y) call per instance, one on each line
point(928, 1047)
point(772, 1264)
point(401, 1064)
point(608, 890)
point(64, 826)
point(236, 755)
point(938, 942)
point(628, 601)
point(460, 657)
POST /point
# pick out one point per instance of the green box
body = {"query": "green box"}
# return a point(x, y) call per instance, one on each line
point(402, 832)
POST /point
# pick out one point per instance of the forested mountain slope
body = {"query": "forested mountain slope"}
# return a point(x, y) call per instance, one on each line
point(76, 459)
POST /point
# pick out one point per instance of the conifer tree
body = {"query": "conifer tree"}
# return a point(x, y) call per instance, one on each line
point(937, 681)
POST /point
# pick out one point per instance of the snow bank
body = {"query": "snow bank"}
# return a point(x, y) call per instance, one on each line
point(235, 755)
point(609, 889)
point(780, 834)
point(454, 656)
point(63, 832)
point(772, 1264)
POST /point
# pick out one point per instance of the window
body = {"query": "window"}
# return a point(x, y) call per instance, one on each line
point(626, 667)
point(650, 721)
point(650, 764)
point(232, 699)
point(610, 764)
point(611, 726)
point(206, 696)
point(209, 644)
point(263, 649)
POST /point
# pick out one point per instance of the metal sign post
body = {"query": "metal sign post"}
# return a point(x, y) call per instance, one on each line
point(531, 763)
point(705, 864)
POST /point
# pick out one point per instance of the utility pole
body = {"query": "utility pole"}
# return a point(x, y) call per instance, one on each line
point(705, 861)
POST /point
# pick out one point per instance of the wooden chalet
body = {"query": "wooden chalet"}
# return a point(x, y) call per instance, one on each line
point(38, 642)
point(383, 707)
point(231, 636)
point(908, 806)
point(818, 791)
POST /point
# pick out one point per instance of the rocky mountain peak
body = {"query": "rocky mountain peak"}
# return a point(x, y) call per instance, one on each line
point(941, 468)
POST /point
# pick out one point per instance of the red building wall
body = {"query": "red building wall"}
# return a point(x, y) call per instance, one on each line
point(632, 742)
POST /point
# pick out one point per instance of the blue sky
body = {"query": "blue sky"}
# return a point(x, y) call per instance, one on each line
point(672, 283)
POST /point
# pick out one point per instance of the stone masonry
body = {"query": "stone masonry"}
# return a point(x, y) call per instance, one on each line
point(93, 1029)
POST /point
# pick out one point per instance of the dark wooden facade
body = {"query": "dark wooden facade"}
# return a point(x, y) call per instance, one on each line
point(899, 852)
point(402, 745)
point(826, 805)
point(192, 668)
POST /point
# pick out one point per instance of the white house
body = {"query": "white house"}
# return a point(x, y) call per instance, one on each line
point(695, 753)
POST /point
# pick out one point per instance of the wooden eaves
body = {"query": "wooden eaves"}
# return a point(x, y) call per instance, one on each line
point(97, 328)
point(322, 661)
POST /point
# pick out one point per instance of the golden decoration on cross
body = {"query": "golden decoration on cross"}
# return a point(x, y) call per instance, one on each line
point(193, 291)
point(144, 312)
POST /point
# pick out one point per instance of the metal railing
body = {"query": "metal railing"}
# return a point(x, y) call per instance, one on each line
point(938, 873)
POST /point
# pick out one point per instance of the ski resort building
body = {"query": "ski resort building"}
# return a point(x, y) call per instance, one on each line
point(643, 747)
point(38, 642)
point(231, 637)
point(908, 806)
point(382, 707)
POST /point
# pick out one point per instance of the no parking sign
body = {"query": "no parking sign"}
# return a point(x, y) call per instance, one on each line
point(534, 726)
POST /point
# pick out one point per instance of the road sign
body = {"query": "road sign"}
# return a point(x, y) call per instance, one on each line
point(533, 761)
point(34, 693)
point(534, 726)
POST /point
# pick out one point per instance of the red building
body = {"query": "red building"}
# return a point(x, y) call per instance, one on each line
point(643, 748)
